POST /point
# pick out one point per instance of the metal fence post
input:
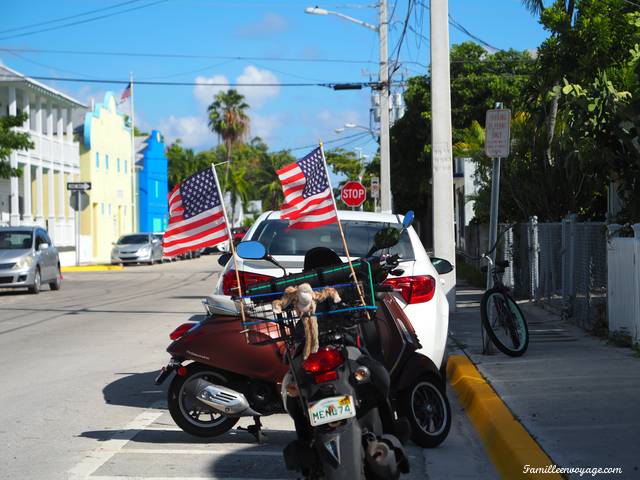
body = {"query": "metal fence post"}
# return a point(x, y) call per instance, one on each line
point(507, 254)
point(636, 243)
point(570, 291)
point(534, 250)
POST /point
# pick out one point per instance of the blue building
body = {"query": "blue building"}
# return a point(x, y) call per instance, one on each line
point(152, 166)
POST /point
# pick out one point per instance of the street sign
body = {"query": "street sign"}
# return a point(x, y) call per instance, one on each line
point(497, 133)
point(375, 187)
point(353, 193)
point(78, 186)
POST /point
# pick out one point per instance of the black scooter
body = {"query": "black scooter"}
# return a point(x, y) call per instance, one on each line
point(340, 396)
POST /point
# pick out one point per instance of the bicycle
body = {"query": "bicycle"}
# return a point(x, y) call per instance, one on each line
point(501, 316)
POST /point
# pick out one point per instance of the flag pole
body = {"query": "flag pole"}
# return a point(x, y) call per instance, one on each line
point(344, 240)
point(231, 245)
point(134, 209)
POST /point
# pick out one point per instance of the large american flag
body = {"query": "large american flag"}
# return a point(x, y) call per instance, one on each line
point(307, 194)
point(196, 215)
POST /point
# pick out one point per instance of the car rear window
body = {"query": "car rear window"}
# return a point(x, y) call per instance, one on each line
point(282, 240)
point(15, 240)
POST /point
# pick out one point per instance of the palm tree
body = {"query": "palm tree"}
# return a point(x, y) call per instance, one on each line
point(229, 119)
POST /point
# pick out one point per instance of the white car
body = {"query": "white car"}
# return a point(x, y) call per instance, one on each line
point(422, 294)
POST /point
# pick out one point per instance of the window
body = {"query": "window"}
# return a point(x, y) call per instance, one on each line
point(280, 240)
point(15, 240)
point(97, 160)
point(40, 238)
point(126, 167)
point(118, 165)
point(106, 162)
point(157, 185)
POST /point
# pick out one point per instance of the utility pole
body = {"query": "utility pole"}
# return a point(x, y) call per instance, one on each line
point(385, 160)
point(443, 216)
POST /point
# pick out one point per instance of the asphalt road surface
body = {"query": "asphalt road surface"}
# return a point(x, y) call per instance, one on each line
point(77, 399)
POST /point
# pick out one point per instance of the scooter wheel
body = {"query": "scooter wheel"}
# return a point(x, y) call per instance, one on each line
point(426, 407)
point(191, 415)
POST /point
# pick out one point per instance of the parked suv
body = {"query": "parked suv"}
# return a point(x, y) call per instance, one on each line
point(28, 259)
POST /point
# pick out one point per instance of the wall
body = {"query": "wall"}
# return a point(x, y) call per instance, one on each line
point(152, 184)
point(109, 212)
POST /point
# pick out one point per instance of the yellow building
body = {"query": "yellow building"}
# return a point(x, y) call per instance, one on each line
point(105, 161)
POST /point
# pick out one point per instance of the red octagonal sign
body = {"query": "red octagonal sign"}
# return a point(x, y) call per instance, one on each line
point(353, 193)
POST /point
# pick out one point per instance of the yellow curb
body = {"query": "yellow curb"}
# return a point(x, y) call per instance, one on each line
point(91, 268)
point(508, 444)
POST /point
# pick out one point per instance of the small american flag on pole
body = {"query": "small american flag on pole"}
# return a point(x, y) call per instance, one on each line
point(196, 215)
point(126, 93)
point(308, 197)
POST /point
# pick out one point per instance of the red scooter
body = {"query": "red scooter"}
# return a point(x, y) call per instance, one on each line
point(220, 378)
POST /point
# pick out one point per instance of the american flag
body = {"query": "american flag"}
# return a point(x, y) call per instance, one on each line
point(126, 93)
point(196, 215)
point(307, 193)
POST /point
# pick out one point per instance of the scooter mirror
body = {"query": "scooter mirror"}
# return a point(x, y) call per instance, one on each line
point(251, 250)
point(408, 219)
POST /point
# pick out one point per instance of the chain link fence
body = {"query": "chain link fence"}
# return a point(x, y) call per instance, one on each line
point(562, 265)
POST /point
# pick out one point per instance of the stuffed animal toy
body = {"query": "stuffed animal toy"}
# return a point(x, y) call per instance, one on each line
point(304, 299)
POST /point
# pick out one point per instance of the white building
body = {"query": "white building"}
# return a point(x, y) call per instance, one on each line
point(40, 196)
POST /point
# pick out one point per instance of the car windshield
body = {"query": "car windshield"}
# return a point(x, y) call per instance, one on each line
point(133, 239)
point(281, 240)
point(15, 240)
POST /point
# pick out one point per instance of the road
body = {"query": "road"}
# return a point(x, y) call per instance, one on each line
point(78, 400)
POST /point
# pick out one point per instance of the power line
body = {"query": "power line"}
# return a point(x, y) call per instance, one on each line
point(86, 20)
point(186, 55)
point(61, 19)
point(192, 84)
point(328, 142)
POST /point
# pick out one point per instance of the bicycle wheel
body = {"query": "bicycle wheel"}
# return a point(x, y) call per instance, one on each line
point(504, 322)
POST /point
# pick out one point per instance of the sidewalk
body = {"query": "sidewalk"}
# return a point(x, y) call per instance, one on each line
point(576, 395)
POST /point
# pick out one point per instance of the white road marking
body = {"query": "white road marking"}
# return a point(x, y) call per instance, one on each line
point(177, 451)
point(103, 454)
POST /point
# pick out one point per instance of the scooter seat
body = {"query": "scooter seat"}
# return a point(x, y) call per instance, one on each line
point(220, 305)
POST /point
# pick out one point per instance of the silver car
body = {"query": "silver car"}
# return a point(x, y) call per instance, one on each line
point(137, 248)
point(28, 259)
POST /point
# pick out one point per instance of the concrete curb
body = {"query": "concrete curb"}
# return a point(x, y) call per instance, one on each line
point(508, 444)
point(91, 268)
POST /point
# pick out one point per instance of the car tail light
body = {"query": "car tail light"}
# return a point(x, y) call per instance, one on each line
point(417, 289)
point(181, 330)
point(230, 284)
point(322, 362)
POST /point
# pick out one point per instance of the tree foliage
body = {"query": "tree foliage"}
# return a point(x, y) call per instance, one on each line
point(10, 141)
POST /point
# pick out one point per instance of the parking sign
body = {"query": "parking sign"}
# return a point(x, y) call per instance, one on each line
point(497, 133)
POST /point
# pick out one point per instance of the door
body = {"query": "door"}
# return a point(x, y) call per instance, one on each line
point(44, 260)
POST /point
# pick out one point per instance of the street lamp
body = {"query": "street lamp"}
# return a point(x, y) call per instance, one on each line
point(385, 164)
point(374, 133)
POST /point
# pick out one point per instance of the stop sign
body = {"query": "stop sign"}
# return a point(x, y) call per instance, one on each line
point(353, 193)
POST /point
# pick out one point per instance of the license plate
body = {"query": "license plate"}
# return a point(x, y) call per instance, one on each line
point(331, 409)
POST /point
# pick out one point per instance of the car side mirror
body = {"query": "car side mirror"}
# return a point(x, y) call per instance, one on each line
point(441, 265)
point(43, 246)
point(224, 259)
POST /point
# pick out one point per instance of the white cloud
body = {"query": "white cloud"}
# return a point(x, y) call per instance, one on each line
point(270, 24)
point(204, 94)
point(257, 96)
point(192, 130)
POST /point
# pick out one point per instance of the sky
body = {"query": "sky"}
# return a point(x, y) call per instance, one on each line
point(285, 45)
